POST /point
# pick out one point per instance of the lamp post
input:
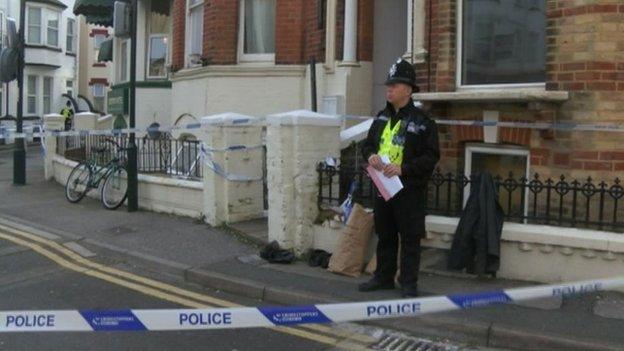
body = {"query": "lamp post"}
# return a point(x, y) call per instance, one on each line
point(19, 153)
point(133, 188)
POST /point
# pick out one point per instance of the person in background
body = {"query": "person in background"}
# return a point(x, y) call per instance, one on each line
point(68, 115)
point(408, 138)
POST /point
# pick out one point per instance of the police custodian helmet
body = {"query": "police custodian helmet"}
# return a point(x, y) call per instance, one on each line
point(402, 72)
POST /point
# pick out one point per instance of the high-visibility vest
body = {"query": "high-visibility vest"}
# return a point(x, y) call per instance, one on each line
point(392, 143)
point(65, 112)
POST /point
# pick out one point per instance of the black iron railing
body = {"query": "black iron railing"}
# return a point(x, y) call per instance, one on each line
point(154, 155)
point(561, 202)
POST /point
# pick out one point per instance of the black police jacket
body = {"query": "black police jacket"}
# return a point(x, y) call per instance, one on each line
point(420, 135)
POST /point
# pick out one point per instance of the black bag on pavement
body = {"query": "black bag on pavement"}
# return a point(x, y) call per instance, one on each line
point(272, 253)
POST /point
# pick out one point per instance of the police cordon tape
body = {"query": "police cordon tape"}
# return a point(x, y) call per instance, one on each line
point(258, 317)
point(568, 126)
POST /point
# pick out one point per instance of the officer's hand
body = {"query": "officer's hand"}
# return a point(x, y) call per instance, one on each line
point(392, 170)
point(375, 161)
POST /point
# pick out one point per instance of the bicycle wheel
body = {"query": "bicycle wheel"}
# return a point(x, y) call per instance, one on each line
point(115, 188)
point(77, 184)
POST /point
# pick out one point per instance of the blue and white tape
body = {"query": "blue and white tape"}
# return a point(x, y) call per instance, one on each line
point(259, 317)
point(568, 126)
point(206, 156)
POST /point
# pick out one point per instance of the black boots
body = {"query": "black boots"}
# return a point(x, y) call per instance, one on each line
point(376, 284)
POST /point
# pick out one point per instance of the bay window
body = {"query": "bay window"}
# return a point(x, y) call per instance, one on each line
point(42, 26)
point(71, 36)
point(34, 26)
point(257, 30)
point(47, 95)
point(52, 26)
point(195, 30)
point(31, 95)
point(158, 49)
point(501, 42)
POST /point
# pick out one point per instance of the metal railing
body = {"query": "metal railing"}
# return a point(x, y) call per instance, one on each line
point(560, 202)
point(162, 155)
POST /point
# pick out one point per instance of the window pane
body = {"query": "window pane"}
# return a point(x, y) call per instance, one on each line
point(52, 23)
point(158, 57)
point(502, 165)
point(259, 26)
point(34, 25)
point(32, 105)
point(47, 93)
point(97, 40)
point(32, 85)
point(70, 35)
point(197, 29)
point(123, 75)
point(503, 42)
point(34, 16)
point(159, 20)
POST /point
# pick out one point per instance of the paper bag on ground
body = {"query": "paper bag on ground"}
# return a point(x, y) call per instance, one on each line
point(349, 257)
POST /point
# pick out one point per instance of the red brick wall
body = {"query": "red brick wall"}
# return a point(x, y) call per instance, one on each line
point(365, 30)
point(438, 72)
point(584, 53)
point(289, 17)
point(314, 34)
point(220, 31)
point(177, 43)
point(298, 36)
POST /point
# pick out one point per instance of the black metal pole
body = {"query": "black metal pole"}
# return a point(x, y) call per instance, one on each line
point(19, 153)
point(133, 188)
point(313, 83)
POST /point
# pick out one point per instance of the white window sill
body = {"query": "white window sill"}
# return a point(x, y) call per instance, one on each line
point(240, 70)
point(495, 95)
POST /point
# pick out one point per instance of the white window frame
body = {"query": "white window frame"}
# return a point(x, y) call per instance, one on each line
point(71, 37)
point(127, 72)
point(149, 52)
point(43, 26)
point(188, 39)
point(49, 96)
point(42, 39)
point(93, 90)
point(35, 95)
point(242, 56)
point(69, 88)
point(58, 28)
point(496, 149)
point(458, 63)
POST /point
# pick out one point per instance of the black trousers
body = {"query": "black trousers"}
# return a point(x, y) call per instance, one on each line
point(402, 217)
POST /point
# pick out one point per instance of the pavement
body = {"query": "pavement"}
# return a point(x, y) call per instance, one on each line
point(225, 259)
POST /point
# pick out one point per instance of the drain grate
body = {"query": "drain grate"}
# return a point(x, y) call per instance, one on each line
point(399, 342)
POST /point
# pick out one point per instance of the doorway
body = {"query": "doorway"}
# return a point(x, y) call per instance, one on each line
point(389, 44)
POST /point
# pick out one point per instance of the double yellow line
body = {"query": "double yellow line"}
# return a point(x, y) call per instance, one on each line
point(71, 260)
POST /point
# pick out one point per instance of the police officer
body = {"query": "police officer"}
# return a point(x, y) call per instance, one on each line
point(408, 137)
point(68, 115)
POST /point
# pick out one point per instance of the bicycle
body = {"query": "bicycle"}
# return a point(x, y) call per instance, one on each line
point(87, 175)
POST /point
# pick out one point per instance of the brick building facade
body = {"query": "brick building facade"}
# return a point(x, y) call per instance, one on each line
point(526, 61)
point(583, 83)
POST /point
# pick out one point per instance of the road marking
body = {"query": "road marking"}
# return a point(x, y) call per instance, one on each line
point(167, 287)
point(147, 286)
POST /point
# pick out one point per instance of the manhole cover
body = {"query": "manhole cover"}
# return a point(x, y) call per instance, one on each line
point(120, 230)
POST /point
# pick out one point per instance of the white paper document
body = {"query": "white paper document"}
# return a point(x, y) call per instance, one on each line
point(388, 187)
